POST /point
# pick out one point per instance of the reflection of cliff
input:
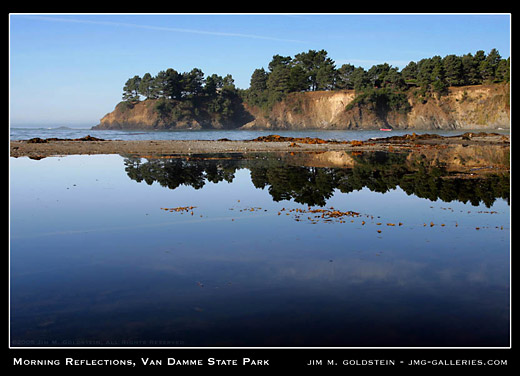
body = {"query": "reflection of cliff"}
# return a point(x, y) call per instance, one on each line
point(377, 171)
point(453, 158)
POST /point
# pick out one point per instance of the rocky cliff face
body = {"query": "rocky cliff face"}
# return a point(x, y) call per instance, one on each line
point(481, 106)
point(141, 115)
point(464, 107)
point(149, 114)
point(468, 107)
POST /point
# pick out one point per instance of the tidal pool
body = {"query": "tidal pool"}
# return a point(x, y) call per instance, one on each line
point(230, 251)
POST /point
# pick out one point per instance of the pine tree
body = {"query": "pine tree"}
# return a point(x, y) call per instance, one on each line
point(489, 65)
point(470, 71)
point(192, 83)
point(258, 82)
point(131, 89)
point(409, 73)
point(453, 70)
point(438, 77)
point(172, 84)
point(502, 73)
point(278, 83)
point(146, 86)
point(344, 77)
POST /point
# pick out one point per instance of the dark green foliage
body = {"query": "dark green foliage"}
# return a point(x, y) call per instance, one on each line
point(344, 77)
point(381, 101)
point(313, 70)
point(147, 86)
point(257, 95)
point(131, 89)
point(124, 106)
point(382, 86)
point(502, 73)
point(453, 71)
point(173, 84)
point(184, 95)
point(319, 69)
point(191, 83)
point(164, 107)
point(377, 171)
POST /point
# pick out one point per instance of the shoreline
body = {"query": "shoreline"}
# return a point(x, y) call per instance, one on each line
point(41, 148)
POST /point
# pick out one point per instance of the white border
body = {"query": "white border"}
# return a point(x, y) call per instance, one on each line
point(252, 347)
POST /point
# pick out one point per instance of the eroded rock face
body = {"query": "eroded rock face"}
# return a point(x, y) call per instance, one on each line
point(479, 106)
point(147, 115)
point(467, 107)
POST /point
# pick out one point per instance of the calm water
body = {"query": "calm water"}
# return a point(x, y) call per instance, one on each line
point(97, 258)
point(344, 135)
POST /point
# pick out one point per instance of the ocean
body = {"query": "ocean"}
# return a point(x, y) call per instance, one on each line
point(128, 135)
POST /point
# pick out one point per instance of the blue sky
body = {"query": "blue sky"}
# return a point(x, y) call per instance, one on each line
point(69, 69)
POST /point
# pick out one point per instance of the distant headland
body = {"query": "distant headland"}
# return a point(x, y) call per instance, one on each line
point(307, 91)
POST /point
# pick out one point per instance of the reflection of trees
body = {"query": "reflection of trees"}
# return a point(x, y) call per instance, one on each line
point(379, 172)
point(174, 172)
point(306, 185)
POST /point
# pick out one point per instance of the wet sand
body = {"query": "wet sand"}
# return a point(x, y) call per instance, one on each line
point(41, 148)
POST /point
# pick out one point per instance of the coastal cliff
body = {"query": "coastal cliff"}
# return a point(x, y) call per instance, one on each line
point(464, 107)
point(158, 114)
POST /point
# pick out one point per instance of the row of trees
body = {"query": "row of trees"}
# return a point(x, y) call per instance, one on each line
point(379, 172)
point(170, 84)
point(314, 70)
point(438, 73)
point(184, 95)
point(307, 71)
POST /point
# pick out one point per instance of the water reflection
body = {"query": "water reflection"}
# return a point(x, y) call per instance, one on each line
point(95, 260)
point(287, 178)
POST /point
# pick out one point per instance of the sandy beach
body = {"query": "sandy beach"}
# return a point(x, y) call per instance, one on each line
point(41, 148)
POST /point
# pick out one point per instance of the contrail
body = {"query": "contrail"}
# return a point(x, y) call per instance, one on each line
point(163, 28)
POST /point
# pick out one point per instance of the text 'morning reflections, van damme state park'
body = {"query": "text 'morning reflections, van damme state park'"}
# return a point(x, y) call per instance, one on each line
point(367, 249)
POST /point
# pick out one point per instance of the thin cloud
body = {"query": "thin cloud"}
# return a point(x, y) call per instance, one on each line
point(163, 28)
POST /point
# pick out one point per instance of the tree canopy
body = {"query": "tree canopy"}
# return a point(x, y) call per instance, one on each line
point(184, 94)
point(315, 70)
